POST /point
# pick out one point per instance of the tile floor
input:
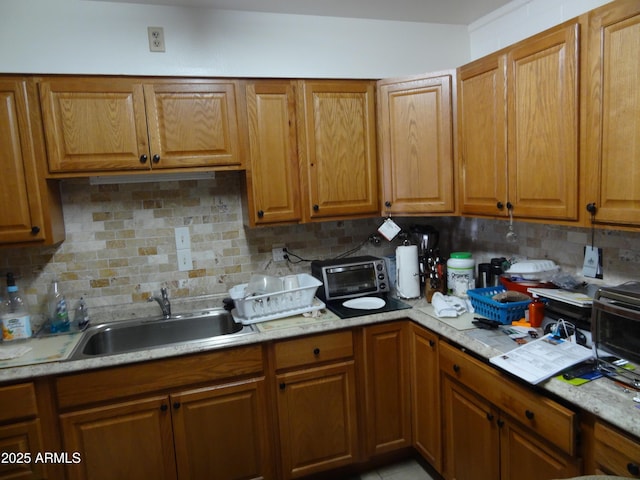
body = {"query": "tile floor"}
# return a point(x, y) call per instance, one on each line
point(404, 470)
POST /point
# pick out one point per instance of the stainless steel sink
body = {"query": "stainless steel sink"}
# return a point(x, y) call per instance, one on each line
point(214, 326)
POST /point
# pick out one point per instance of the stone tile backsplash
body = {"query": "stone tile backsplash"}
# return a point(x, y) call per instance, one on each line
point(120, 246)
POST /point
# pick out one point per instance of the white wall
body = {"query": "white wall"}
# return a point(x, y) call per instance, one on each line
point(520, 19)
point(79, 36)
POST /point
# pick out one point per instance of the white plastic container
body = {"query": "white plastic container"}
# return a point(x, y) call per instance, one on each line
point(251, 308)
point(15, 320)
point(461, 268)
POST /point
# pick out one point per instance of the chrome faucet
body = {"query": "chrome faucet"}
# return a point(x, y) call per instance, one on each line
point(164, 302)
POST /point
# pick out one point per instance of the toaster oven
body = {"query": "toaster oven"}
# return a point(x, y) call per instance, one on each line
point(350, 277)
point(615, 328)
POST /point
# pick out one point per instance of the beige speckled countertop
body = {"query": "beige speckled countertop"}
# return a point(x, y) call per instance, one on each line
point(602, 397)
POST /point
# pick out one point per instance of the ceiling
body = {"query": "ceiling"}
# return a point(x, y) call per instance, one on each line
point(461, 12)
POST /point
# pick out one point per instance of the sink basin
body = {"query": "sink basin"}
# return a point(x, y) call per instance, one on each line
point(210, 326)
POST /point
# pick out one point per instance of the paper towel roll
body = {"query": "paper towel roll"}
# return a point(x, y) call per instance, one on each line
point(407, 274)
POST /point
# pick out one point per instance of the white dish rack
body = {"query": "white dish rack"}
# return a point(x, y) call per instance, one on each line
point(271, 306)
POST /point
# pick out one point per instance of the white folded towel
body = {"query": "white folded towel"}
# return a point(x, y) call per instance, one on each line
point(7, 352)
point(447, 305)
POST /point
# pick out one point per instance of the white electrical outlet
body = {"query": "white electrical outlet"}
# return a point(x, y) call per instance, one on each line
point(278, 253)
point(184, 260)
point(156, 39)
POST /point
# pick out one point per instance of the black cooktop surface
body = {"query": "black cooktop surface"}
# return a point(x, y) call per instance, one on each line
point(391, 304)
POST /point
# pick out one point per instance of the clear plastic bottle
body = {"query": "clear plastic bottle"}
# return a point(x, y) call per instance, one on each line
point(58, 311)
point(82, 314)
point(14, 315)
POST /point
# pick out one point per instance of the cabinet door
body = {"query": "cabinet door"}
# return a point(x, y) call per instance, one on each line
point(525, 457)
point(388, 407)
point(472, 437)
point(482, 131)
point(193, 124)
point(126, 440)
point(337, 139)
point(317, 419)
point(273, 179)
point(425, 385)
point(94, 124)
point(613, 113)
point(542, 125)
point(416, 145)
point(616, 453)
point(31, 216)
point(221, 432)
point(20, 438)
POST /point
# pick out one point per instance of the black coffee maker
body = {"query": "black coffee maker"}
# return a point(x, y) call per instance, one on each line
point(426, 238)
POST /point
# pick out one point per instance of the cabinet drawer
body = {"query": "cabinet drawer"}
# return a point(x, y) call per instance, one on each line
point(616, 452)
point(120, 382)
point(540, 414)
point(313, 349)
point(18, 401)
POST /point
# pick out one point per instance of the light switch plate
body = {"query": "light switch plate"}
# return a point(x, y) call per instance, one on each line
point(183, 238)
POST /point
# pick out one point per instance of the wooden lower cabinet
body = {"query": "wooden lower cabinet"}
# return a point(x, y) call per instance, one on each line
point(387, 399)
point(524, 456)
point(216, 432)
point(425, 393)
point(20, 443)
point(615, 453)
point(315, 388)
point(124, 440)
point(20, 434)
point(471, 436)
point(484, 438)
point(318, 427)
point(220, 432)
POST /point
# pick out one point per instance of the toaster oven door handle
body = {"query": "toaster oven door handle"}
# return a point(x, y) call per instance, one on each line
point(617, 309)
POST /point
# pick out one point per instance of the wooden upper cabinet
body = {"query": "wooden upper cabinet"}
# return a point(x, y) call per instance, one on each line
point(273, 180)
point(337, 147)
point(613, 113)
point(542, 124)
point(518, 138)
point(482, 104)
point(95, 124)
point(193, 124)
point(416, 144)
point(35, 213)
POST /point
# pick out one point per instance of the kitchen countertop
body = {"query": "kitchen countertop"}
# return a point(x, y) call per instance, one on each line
point(603, 397)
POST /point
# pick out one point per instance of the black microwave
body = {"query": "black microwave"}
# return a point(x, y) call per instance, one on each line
point(350, 277)
point(615, 328)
